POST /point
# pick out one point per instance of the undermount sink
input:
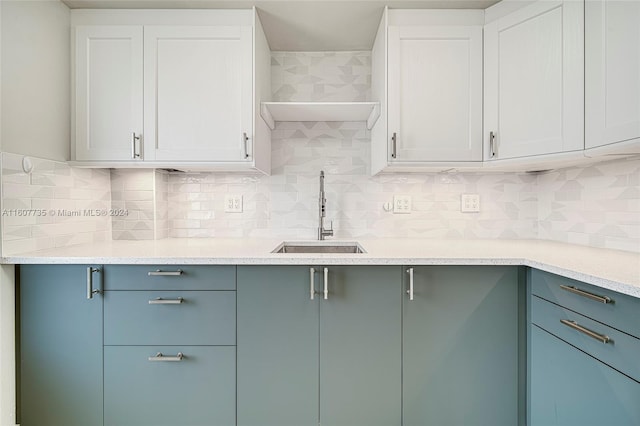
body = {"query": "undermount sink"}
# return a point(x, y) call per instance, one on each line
point(333, 247)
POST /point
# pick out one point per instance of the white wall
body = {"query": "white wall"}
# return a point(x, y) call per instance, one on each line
point(34, 120)
point(35, 78)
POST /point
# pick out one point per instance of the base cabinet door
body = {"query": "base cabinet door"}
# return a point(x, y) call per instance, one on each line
point(60, 347)
point(191, 386)
point(277, 347)
point(570, 388)
point(304, 359)
point(460, 358)
point(360, 346)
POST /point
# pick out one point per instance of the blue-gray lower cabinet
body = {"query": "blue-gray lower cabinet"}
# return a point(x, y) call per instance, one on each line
point(333, 361)
point(169, 345)
point(584, 368)
point(60, 347)
point(570, 388)
point(461, 360)
point(196, 389)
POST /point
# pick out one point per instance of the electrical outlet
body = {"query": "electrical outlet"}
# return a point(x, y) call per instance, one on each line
point(233, 203)
point(402, 204)
point(470, 203)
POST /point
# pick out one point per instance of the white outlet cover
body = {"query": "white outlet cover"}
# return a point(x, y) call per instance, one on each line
point(470, 203)
point(233, 203)
point(402, 204)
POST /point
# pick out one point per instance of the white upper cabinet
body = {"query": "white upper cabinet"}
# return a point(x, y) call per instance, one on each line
point(198, 93)
point(533, 81)
point(197, 78)
point(435, 93)
point(612, 74)
point(427, 74)
point(108, 92)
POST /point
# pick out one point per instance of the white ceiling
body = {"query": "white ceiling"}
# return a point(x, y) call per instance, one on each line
point(301, 25)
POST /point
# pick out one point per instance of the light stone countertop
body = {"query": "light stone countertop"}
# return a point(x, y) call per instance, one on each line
point(611, 269)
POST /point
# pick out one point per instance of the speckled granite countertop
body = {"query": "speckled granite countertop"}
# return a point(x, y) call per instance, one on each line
point(611, 269)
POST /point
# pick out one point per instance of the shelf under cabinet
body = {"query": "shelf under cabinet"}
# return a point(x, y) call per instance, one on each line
point(320, 111)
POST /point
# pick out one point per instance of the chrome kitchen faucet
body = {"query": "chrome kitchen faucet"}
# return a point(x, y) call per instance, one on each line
point(322, 203)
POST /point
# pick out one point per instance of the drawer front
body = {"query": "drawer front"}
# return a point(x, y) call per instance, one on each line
point(570, 388)
point(155, 318)
point(621, 352)
point(623, 313)
point(169, 277)
point(198, 390)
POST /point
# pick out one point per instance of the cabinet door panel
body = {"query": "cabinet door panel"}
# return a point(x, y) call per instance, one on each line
point(198, 90)
point(612, 73)
point(198, 390)
point(435, 93)
point(60, 347)
point(360, 358)
point(108, 91)
point(460, 347)
point(277, 347)
point(534, 80)
point(570, 388)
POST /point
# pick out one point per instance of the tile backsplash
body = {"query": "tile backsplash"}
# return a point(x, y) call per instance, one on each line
point(597, 205)
point(53, 206)
point(285, 205)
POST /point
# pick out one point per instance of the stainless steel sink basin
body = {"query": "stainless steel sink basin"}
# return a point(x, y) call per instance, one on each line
point(332, 247)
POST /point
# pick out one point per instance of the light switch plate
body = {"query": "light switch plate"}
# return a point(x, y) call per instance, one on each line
point(470, 203)
point(233, 203)
point(402, 204)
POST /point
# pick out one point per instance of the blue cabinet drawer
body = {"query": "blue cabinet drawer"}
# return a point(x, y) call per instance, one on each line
point(571, 388)
point(199, 389)
point(167, 277)
point(170, 318)
point(621, 352)
point(622, 312)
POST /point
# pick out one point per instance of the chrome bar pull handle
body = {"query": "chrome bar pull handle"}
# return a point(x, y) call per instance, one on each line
point(326, 283)
point(576, 290)
point(410, 291)
point(160, 357)
point(492, 145)
point(312, 285)
point(245, 140)
point(134, 152)
point(600, 337)
point(394, 140)
point(161, 301)
point(90, 290)
point(160, 273)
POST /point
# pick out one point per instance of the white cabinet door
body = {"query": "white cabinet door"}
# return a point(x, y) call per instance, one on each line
point(612, 59)
point(534, 93)
point(435, 93)
point(198, 93)
point(108, 92)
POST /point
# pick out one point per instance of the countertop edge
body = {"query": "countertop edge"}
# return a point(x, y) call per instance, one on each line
point(621, 287)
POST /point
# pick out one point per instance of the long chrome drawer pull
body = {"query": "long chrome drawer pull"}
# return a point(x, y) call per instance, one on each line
point(600, 337)
point(164, 358)
point(326, 283)
point(410, 291)
point(312, 286)
point(161, 301)
point(576, 290)
point(159, 273)
point(90, 290)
